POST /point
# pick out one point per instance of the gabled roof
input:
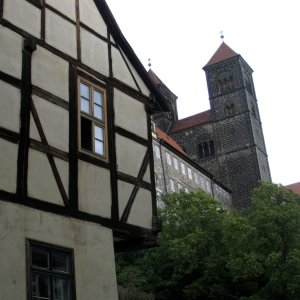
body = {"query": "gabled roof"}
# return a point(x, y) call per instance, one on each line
point(198, 119)
point(163, 136)
point(224, 52)
point(295, 187)
point(119, 38)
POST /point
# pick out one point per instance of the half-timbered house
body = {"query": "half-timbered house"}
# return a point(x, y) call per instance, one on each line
point(76, 160)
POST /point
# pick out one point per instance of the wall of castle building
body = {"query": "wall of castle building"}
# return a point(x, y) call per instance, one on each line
point(92, 245)
point(174, 173)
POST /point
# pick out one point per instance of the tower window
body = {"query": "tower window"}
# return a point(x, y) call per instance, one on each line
point(225, 84)
point(206, 149)
point(230, 109)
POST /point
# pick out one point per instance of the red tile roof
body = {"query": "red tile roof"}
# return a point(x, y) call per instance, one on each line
point(169, 140)
point(295, 187)
point(201, 118)
point(224, 52)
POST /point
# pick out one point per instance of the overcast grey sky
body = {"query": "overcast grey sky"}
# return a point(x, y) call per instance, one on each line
point(180, 37)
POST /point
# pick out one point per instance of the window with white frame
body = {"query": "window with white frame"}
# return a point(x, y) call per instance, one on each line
point(50, 271)
point(156, 151)
point(179, 186)
point(168, 156)
point(182, 168)
point(190, 173)
point(175, 163)
point(92, 121)
point(186, 189)
point(172, 185)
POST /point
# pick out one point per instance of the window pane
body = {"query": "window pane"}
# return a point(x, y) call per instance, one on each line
point(85, 105)
point(98, 133)
point(61, 289)
point(86, 134)
point(97, 98)
point(40, 286)
point(84, 90)
point(99, 147)
point(40, 258)
point(60, 261)
point(98, 113)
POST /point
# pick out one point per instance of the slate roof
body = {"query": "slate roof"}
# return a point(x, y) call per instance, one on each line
point(295, 187)
point(223, 52)
point(201, 118)
point(162, 135)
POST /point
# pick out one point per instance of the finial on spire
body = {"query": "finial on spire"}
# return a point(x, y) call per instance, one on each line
point(149, 63)
point(222, 35)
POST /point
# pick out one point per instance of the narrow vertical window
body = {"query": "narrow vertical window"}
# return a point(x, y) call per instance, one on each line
point(168, 156)
point(175, 163)
point(172, 185)
point(182, 168)
point(190, 173)
point(92, 119)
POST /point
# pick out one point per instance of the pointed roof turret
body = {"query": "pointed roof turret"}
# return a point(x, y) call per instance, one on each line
point(224, 52)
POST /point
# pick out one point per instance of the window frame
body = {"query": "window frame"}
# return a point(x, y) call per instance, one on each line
point(168, 158)
point(91, 118)
point(175, 161)
point(52, 274)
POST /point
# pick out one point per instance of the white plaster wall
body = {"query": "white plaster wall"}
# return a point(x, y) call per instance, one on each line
point(129, 161)
point(61, 34)
point(147, 177)
point(94, 52)
point(120, 69)
point(50, 73)
point(130, 114)
point(10, 101)
point(11, 52)
point(8, 166)
point(141, 211)
point(92, 244)
point(94, 189)
point(55, 123)
point(33, 132)
point(90, 16)
point(24, 15)
point(124, 192)
point(41, 181)
point(65, 7)
point(137, 77)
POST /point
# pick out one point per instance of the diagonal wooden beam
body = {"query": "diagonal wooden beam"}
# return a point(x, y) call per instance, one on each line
point(136, 188)
point(50, 157)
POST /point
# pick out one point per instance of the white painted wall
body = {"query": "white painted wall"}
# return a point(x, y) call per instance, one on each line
point(61, 34)
point(50, 73)
point(10, 102)
point(93, 251)
point(24, 15)
point(65, 7)
point(11, 52)
point(41, 181)
point(141, 211)
point(129, 161)
point(8, 166)
point(55, 123)
point(94, 52)
point(94, 189)
point(90, 16)
point(120, 69)
point(130, 114)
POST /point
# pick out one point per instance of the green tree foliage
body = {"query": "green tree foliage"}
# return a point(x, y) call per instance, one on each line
point(208, 253)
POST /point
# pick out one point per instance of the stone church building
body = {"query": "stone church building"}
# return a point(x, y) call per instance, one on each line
point(226, 140)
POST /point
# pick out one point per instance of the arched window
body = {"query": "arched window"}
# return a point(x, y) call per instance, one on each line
point(225, 84)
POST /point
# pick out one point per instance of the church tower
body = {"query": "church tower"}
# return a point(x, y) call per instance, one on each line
point(240, 150)
point(228, 140)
